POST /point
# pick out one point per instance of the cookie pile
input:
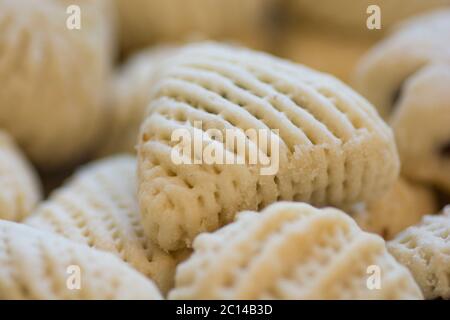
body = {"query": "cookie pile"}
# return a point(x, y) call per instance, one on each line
point(209, 170)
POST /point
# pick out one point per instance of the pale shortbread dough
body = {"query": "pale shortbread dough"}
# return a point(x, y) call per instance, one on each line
point(291, 251)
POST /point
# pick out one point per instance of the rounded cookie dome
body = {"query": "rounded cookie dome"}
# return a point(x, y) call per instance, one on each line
point(40, 262)
point(421, 125)
point(53, 78)
point(415, 43)
point(315, 140)
point(407, 78)
point(291, 251)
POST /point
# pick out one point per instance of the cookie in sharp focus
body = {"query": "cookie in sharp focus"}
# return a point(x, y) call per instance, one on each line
point(326, 145)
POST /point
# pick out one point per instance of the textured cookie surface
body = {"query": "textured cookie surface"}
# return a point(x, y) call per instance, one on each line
point(20, 189)
point(417, 42)
point(425, 250)
point(38, 265)
point(143, 22)
point(128, 99)
point(325, 144)
point(291, 251)
point(401, 207)
point(98, 207)
point(53, 78)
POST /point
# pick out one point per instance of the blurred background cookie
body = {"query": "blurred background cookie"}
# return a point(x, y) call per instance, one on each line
point(407, 77)
point(53, 78)
point(381, 73)
point(421, 124)
point(20, 188)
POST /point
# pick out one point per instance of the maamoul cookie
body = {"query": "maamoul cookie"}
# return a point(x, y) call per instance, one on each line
point(53, 78)
point(128, 99)
point(425, 250)
point(407, 77)
point(421, 123)
point(39, 265)
point(331, 147)
point(291, 251)
point(143, 22)
point(383, 72)
point(20, 188)
point(351, 15)
point(98, 207)
point(401, 207)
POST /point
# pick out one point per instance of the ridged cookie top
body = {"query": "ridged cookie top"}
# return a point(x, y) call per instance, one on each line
point(54, 76)
point(331, 146)
point(20, 189)
point(35, 265)
point(291, 251)
point(381, 74)
point(425, 250)
point(98, 207)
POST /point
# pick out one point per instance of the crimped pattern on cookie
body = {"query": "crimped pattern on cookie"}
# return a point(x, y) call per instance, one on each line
point(53, 78)
point(98, 207)
point(333, 147)
point(20, 188)
point(291, 251)
point(425, 250)
point(34, 265)
point(401, 207)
